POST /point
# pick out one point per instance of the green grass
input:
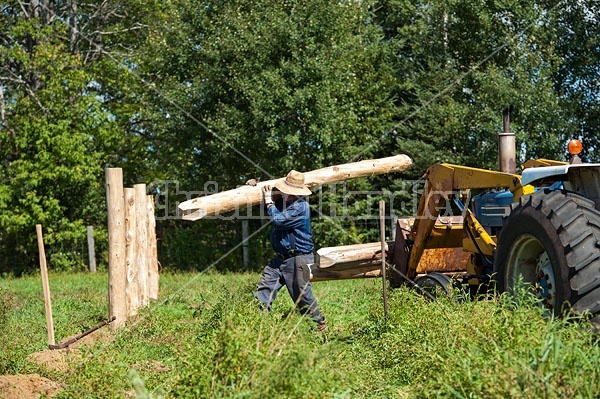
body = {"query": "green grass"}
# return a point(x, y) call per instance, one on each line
point(206, 338)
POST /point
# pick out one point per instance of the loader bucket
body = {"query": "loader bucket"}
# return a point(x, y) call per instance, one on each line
point(443, 260)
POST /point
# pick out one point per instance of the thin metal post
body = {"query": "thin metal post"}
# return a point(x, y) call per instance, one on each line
point(91, 249)
point(393, 222)
point(383, 243)
point(245, 246)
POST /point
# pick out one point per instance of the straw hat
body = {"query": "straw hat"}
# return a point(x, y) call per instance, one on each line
point(293, 184)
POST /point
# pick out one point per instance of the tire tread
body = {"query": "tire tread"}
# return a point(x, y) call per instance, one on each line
point(577, 224)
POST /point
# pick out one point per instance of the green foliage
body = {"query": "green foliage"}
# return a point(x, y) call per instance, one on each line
point(226, 91)
point(58, 132)
point(6, 305)
point(576, 81)
point(207, 338)
point(53, 151)
point(470, 62)
point(320, 89)
point(272, 86)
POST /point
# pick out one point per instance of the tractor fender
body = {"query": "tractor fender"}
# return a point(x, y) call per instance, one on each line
point(556, 173)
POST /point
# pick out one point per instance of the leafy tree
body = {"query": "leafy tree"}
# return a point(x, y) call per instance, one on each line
point(291, 84)
point(58, 130)
point(469, 61)
point(262, 87)
point(577, 81)
point(50, 162)
point(225, 91)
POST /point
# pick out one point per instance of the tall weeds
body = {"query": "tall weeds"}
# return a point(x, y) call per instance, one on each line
point(207, 337)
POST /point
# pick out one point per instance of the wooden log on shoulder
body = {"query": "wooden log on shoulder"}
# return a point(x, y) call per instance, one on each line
point(244, 196)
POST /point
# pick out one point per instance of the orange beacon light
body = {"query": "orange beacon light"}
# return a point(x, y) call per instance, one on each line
point(575, 147)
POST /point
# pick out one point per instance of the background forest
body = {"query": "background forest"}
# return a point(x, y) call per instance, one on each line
point(180, 93)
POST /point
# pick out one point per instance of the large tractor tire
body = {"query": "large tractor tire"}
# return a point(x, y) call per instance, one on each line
point(551, 242)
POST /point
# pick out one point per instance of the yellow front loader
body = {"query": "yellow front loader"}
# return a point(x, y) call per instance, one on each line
point(484, 228)
point(540, 228)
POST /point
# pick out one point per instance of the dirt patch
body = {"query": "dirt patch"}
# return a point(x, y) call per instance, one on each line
point(30, 386)
point(54, 360)
point(59, 359)
point(33, 385)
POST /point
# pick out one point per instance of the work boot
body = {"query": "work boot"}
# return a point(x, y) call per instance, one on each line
point(322, 326)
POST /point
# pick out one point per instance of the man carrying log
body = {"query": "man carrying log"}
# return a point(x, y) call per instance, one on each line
point(291, 239)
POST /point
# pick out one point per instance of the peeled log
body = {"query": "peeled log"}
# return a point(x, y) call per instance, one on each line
point(244, 196)
point(349, 261)
point(328, 274)
point(351, 256)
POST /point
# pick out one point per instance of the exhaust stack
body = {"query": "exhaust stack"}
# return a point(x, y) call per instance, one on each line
point(507, 148)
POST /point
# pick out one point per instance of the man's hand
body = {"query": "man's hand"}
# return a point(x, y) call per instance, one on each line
point(253, 182)
point(267, 196)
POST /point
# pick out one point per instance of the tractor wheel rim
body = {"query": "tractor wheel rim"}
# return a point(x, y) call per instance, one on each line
point(528, 262)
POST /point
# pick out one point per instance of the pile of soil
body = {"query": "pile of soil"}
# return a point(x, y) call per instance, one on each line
point(54, 360)
point(32, 386)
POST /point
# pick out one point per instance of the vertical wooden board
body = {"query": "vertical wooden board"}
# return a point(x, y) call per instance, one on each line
point(117, 304)
point(131, 289)
point(45, 285)
point(141, 242)
point(153, 277)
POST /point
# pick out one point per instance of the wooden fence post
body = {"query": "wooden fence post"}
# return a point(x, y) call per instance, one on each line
point(153, 277)
point(117, 278)
point(45, 285)
point(131, 288)
point(91, 249)
point(141, 242)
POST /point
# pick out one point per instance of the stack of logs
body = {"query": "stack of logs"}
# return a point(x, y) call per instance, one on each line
point(350, 261)
point(132, 251)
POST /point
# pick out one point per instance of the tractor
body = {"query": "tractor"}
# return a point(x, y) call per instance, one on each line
point(540, 229)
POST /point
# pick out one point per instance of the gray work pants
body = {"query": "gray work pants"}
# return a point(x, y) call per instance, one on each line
point(294, 273)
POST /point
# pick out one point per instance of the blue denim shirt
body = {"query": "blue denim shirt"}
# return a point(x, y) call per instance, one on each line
point(295, 217)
